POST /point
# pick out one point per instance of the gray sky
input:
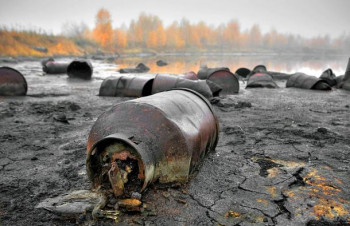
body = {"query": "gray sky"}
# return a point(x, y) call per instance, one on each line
point(305, 17)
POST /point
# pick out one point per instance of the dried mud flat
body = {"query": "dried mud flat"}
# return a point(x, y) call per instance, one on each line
point(282, 158)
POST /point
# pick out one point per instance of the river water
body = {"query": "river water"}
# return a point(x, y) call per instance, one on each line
point(40, 84)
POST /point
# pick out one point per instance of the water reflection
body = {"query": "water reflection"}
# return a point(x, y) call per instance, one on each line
point(287, 64)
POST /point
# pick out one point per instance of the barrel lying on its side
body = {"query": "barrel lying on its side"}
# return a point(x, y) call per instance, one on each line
point(127, 85)
point(53, 67)
point(261, 80)
point(221, 76)
point(165, 82)
point(162, 137)
point(303, 81)
point(12, 82)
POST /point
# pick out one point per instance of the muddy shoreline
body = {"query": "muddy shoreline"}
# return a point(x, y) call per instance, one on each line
point(284, 160)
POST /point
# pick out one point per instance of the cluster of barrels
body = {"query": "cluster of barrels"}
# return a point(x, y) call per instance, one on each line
point(260, 77)
point(13, 83)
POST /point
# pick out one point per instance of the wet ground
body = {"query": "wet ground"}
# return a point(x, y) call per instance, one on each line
point(284, 160)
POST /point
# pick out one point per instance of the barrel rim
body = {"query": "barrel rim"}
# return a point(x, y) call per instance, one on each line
point(137, 148)
point(24, 79)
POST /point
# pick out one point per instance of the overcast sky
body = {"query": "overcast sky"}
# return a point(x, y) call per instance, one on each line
point(305, 17)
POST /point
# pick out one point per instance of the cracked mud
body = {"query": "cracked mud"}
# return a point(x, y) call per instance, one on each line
point(282, 159)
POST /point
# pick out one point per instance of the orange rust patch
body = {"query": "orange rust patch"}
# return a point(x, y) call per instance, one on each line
point(234, 214)
point(272, 191)
point(263, 201)
point(273, 172)
point(129, 202)
point(324, 191)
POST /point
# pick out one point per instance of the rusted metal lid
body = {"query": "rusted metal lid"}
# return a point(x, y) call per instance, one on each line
point(12, 82)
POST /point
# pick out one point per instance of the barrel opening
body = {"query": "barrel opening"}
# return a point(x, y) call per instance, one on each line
point(79, 69)
point(147, 89)
point(243, 72)
point(115, 165)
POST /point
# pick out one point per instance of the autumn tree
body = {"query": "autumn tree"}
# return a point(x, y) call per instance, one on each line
point(103, 32)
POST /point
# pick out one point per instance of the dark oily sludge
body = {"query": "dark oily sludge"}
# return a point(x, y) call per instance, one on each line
point(221, 76)
point(129, 85)
point(12, 82)
point(81, 69)
point(165, 82)
point(162, 137)
point(303, 81)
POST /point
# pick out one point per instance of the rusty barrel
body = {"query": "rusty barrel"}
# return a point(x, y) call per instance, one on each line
point(221, 76)
point(303, 81)
point(130, 85)
point(12, 82)
point(261, 80)
point(53, 67)
point(329, 77)
point(190, 75)
point(259, 68)
point(81, 69)
point(162, 137)
point(165, 82)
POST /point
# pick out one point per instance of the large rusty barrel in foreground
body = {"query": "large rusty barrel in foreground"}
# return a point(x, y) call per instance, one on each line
point(165, 82)
point(81, 69)
point(162, 137)
point(12, 82)
point(53, 67)
point(221, 76)
point(261, 80)
point(303, 81)
point(130, 85)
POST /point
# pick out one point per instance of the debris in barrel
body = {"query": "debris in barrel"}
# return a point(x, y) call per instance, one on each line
point(12, 82)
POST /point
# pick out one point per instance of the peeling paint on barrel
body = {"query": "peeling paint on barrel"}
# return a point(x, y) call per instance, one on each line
point(12, 82)
point(166, 135)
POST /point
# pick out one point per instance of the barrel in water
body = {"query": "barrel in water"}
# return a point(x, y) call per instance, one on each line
point(130, 85)
point(81, 69)
point(12, 82)
point(162, 138)
point(303, 81)
point(221, 76)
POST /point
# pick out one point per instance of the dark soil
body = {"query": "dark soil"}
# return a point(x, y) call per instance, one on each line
point(282, 158)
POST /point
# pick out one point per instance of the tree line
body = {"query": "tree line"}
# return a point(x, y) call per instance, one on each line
point(148, 31)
